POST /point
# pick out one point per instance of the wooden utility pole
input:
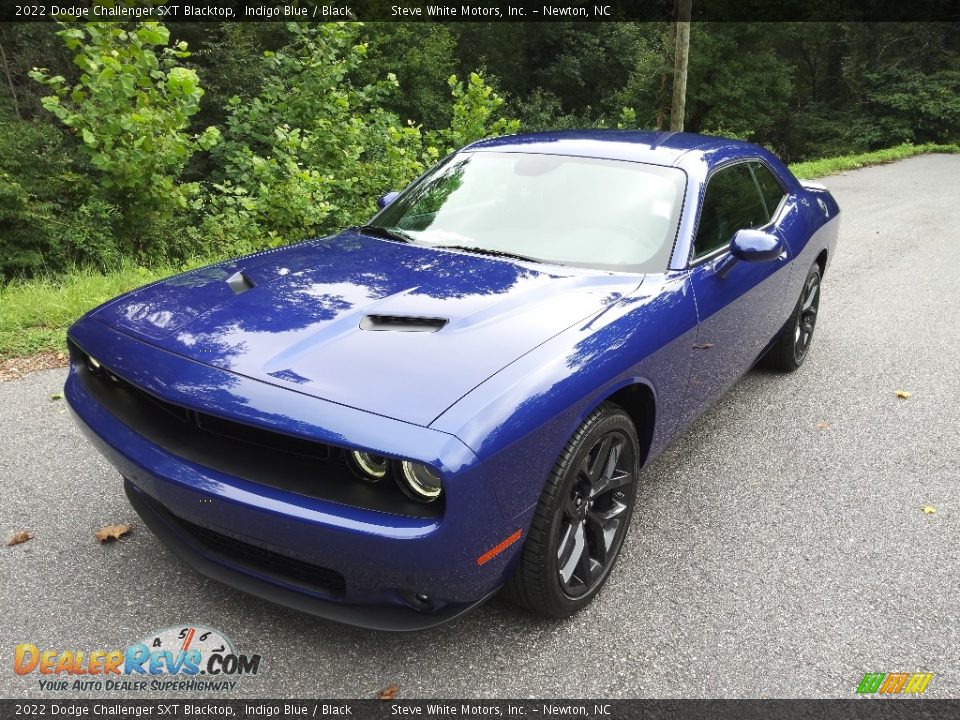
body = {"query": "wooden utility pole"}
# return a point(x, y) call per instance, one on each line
point(680, 65)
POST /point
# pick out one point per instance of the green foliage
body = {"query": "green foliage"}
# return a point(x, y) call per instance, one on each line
point(726, 132)
point(44, 220)
point(914, 106)
point(645, 89)
point(627, 119)
point(542, 110)
point(737, 83)
point(18, 214)
point(130, 109)
point(421, 56)
point(312, 151)
point(298, 158)
point(309, 143)
point(475, 114)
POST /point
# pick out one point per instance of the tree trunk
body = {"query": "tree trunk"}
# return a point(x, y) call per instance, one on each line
point(13, 91)
point(662, 107)
point(680, 65)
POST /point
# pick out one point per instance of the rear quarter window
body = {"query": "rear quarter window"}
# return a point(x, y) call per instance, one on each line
point(770, 188)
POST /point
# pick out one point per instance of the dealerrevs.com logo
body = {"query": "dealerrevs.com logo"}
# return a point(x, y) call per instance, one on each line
point(189, 658)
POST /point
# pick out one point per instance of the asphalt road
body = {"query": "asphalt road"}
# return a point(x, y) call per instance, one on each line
point(769, 556)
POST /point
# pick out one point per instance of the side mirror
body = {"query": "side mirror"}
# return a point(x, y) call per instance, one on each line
point(386, 199)
point(755, 246)
point(750, 246)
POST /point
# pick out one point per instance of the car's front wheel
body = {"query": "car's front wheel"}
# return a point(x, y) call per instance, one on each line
point(582, 517)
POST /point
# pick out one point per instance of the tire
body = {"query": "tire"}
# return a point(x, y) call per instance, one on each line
point(791, 348)
point(585, 508)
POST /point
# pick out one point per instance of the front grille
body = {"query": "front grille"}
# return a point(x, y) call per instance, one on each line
point(259, 455)
point(263, 560)
point(210, 424)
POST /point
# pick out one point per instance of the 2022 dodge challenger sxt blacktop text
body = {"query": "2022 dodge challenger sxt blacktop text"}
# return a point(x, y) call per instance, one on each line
point(387, 426)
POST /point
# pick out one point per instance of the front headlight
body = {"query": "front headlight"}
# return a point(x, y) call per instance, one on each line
point(368, 466)
point(419, 482)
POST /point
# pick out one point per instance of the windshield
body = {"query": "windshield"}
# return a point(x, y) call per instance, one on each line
point(603, 214)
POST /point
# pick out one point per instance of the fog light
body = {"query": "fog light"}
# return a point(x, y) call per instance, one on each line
point(419, 482)
point(369, 467)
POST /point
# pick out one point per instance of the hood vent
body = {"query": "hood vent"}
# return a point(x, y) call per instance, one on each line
point(402, 323)
point(239, 282)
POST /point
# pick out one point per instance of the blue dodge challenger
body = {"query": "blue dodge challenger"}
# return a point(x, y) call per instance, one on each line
point(387, 426)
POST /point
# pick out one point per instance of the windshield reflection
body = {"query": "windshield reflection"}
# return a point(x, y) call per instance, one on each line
point(585, 212)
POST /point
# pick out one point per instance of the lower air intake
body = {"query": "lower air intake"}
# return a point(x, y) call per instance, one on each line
point(263, 560)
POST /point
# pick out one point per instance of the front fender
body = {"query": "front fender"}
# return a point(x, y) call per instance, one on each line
point(518, 421)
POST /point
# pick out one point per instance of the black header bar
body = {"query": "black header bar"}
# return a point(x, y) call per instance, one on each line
point(484, 10)
point(175, 709)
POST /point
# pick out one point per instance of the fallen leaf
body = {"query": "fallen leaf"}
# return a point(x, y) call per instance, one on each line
point(56, 396)
point(902, 394)
point(703, 346)
point(112, 532)
point(389, 692)
point(929, 509)
point(822, 425)
point(20, 537)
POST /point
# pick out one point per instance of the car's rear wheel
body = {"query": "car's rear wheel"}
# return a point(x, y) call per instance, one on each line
point(791, 348)
point(582, 517)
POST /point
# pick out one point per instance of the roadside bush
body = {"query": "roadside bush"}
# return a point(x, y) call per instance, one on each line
point(911, 106)
point(312, 151)
point(307, 153)
point(297, 158)
point(475, 114)
point(39, 178)
point(130, 112)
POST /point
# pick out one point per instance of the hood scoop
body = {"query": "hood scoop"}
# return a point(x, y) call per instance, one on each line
point(239, 282)
point(402, 323)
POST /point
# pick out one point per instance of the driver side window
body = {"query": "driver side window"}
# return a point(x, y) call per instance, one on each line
point(731, 202)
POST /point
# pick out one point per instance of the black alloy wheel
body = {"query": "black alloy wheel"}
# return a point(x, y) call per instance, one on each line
point(591, 528)
point(582, 517)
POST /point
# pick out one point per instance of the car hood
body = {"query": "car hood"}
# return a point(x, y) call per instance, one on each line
point(300, 317)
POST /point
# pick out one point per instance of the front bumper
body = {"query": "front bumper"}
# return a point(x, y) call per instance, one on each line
point(348, 564)
point(377, 617)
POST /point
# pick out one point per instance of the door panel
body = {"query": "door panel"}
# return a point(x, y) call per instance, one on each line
point(740, 312)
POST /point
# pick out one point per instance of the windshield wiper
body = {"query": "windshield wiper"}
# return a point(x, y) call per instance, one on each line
point(487, 251)
point(395, 234)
